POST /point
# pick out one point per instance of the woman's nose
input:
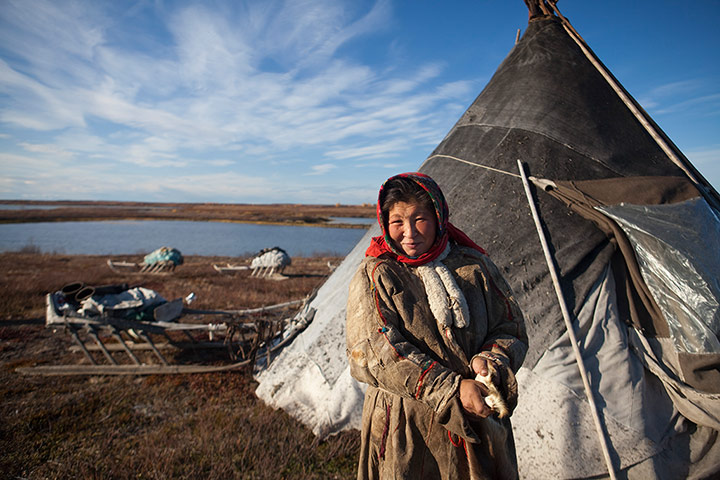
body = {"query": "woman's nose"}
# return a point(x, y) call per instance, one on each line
point(410, 229)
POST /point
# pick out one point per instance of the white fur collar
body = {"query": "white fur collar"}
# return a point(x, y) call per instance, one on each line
point(447, 301)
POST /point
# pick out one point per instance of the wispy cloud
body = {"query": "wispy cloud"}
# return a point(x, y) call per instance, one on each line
point(706, 102)
point(388, 149)
point(707, 162)
point(218, 88)
point(683, 96)
point(709, 155)
point(53, 150)
point(322, 169)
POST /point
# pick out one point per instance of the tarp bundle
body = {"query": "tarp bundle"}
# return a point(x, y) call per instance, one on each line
point(137, 303)
point(104, 301)
point(271, 257)
point(164, 255)
point(634, 233)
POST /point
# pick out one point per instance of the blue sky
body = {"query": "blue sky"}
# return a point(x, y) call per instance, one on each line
point(300, 101)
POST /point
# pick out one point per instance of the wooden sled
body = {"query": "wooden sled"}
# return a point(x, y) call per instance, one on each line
point(122, 346)
point(164, 267)
point(230, 268)
point(270, 273)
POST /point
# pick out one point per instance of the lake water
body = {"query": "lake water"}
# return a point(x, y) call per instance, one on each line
point(191, 238)
point(353, 220)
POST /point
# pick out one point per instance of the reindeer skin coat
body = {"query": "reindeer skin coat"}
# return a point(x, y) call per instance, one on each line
point(414, 426)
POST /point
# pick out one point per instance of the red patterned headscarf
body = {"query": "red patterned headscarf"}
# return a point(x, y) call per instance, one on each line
point(383, 245)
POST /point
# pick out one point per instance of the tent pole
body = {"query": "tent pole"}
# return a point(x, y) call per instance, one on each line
point(568, 325)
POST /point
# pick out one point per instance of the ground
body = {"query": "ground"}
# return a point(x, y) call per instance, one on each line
point(286, 214)
point(161, 426)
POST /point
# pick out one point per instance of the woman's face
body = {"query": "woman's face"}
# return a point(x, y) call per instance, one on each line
point(412, 228)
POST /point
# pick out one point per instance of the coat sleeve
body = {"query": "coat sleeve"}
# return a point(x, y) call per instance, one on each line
point(506, 335)
point(378, 353)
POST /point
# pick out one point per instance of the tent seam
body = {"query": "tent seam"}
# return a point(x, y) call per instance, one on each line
point(545, 135)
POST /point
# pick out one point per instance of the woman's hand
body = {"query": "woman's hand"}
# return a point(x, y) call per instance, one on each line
point(472, 398)
point(479, 366)
point(472, 393)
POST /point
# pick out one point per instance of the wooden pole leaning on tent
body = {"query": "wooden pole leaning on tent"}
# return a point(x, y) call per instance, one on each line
point(568, 325)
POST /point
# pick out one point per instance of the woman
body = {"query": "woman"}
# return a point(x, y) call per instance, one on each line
point(427, 312)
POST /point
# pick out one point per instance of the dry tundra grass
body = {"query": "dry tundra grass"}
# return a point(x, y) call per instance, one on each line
point(171, 426)
point(64, 211)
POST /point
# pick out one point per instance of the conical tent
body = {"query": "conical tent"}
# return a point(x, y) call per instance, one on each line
point(634, 231)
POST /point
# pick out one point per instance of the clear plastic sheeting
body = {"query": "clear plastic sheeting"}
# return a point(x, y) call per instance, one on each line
point(678, 250)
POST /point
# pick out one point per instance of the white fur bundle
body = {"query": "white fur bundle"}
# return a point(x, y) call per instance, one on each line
point(494, 398)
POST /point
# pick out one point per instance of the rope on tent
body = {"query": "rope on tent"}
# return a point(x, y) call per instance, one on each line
point(568, 325)
point(623, 94)
point(473, 164)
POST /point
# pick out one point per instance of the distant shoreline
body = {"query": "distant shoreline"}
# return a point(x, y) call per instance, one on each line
point(273, 214)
